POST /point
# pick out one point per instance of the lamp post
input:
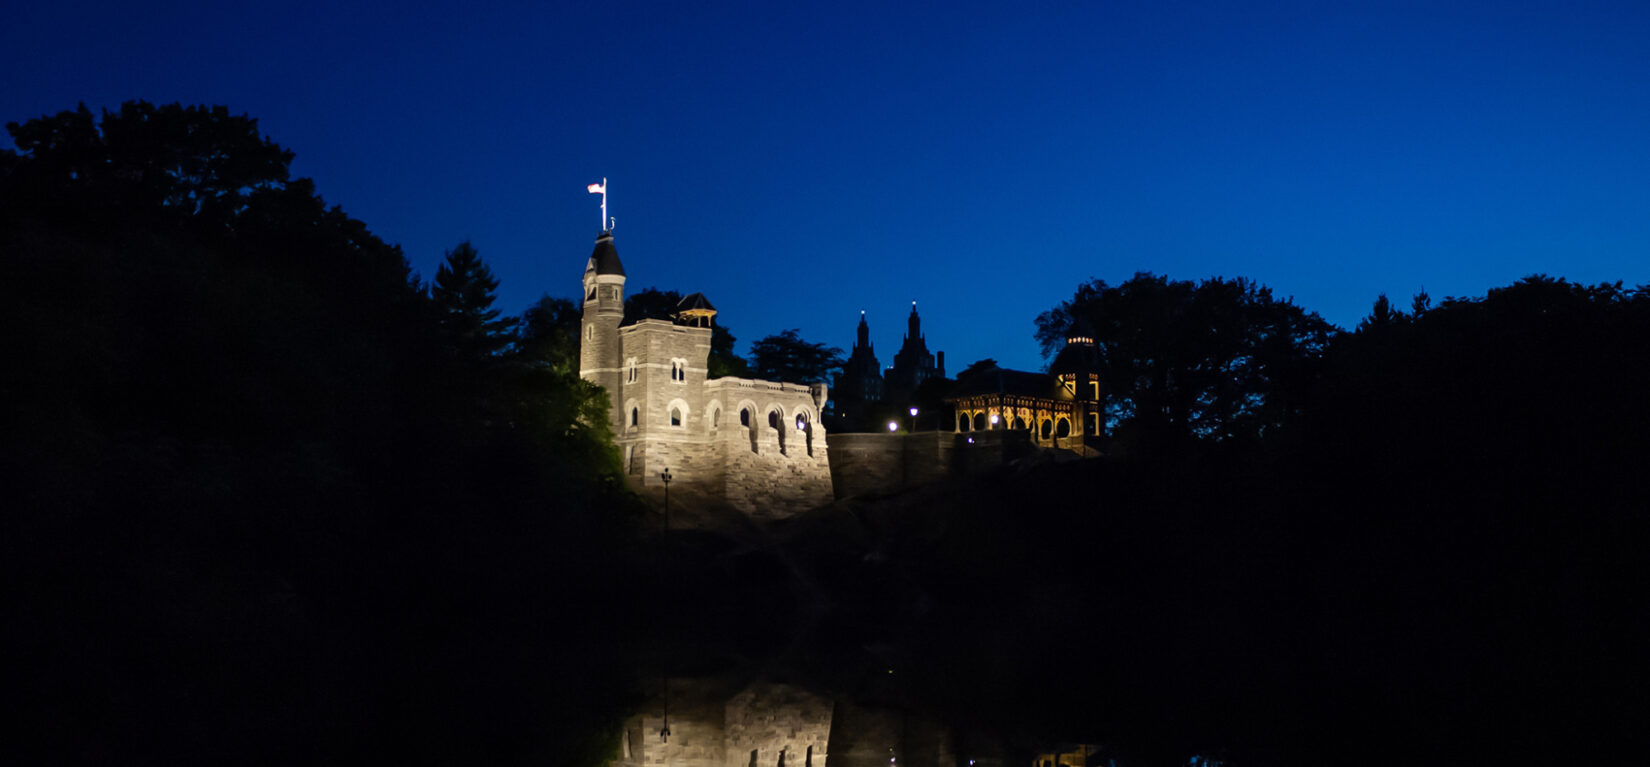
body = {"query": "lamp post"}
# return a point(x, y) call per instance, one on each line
point(664, 731)
point(994, 419)
point(893, 426)
point(665, 475)
point(913, 418)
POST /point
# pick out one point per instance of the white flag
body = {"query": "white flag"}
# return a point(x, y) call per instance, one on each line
point(597, 188)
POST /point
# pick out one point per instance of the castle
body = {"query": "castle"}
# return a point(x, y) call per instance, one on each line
point(755, 446)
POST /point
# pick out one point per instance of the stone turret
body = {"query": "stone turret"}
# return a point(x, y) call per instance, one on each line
point(599, 349)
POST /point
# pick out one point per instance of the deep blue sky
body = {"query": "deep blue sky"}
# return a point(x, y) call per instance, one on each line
point(800, 163)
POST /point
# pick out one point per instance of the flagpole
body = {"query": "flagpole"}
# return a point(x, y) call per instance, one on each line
point(604, 203)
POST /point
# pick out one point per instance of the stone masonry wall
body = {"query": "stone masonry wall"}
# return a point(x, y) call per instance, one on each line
point(712, 725)
point(768, 721)
point(865, 463)
point(862, 463)
point(697, 736)
point(770, 472)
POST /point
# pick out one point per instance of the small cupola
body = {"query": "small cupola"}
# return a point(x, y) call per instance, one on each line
point(1079, 357)
point(695, 310)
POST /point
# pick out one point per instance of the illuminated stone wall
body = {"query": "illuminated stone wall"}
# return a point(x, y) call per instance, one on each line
point(671, 417)
point(771, 468)
point(773, 724)
point(713, 726)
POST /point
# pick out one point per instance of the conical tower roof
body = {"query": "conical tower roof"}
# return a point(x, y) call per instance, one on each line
point(605, 258)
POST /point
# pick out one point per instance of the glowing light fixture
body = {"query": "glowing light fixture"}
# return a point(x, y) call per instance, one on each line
point(893, 426)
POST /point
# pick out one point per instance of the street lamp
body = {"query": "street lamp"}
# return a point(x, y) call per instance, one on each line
point(893, 426)
point(664, 731)
point(913, 418)
point(994, 419)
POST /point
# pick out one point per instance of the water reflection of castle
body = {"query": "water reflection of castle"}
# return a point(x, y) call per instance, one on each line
point(718, 723)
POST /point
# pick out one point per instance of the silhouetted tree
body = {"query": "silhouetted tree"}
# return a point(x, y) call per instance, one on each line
point(170, 161)
point(463, 298)
point(548, 334)
point(786, 357)
point(233, 451)
point(650, 304)
point(1216, 359)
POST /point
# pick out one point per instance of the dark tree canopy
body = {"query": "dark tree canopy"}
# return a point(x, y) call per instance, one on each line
point(463, 294)
point(786, 357)
point(198, 162)
point(650, 304)
point(1216, 359)
point(258, 501)
point(548, 334)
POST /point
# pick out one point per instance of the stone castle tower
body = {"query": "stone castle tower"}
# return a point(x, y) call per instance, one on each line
point(755, 446)
point(603, 310)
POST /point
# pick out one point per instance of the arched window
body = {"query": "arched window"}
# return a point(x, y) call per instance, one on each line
point(1019, 423)
point(630, 370)
point(773, 419)
point(1048, 428)
point(591, 296)
point(675, 416)
point(745, 417)
point(979, 422)
point(635, 416)
point(678, 370)
point(715, 417)
point(1063, 428)
point(962, 422)
point(589, 332)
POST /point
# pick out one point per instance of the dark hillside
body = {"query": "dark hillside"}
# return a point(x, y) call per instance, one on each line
point(257, 509)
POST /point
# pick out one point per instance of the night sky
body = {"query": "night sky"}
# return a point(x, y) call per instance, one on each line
point(801, 164)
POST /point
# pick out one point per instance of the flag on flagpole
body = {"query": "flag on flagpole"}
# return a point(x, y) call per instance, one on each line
point(597, 188)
